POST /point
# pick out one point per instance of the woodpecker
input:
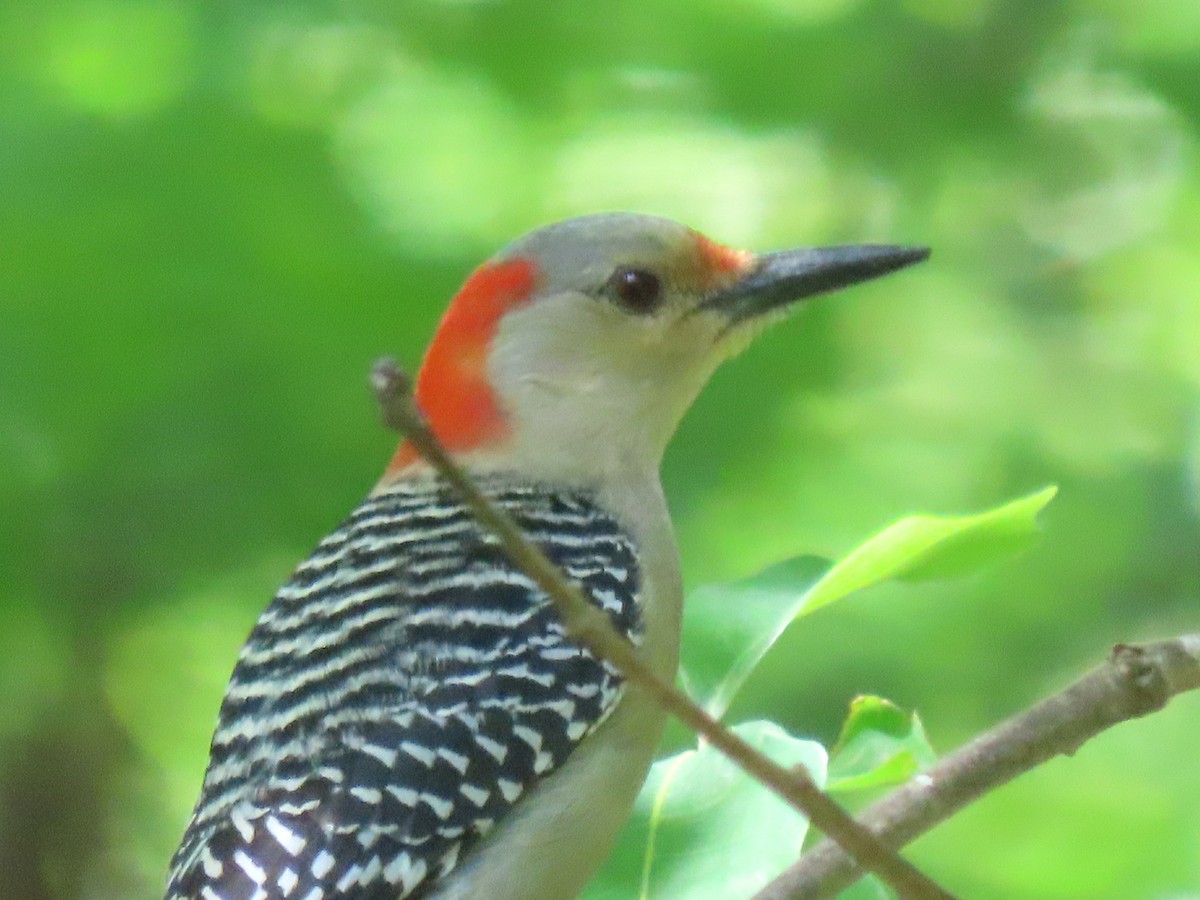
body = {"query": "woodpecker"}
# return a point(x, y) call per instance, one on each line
point(408, 717)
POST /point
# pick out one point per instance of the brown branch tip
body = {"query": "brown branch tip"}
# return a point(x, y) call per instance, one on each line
point(392, 387)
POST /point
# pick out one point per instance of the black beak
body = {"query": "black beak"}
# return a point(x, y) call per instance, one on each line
point(777, 279)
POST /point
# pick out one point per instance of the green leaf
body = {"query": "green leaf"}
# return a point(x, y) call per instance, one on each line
point(703, 829)
point(881, 745)
point(925, 547)
point(727, 629)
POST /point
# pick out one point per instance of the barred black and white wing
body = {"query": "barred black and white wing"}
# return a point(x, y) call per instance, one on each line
point(400, 694)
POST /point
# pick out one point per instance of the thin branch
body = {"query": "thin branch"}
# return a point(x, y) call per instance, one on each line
point(1135, 681)
point(589, 626)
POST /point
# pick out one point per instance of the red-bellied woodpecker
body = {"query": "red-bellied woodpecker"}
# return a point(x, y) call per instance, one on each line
point(408, 718)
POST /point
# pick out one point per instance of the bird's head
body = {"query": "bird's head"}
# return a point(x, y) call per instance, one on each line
point(576, 351)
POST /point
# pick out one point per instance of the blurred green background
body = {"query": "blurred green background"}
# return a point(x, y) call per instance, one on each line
point(213, 217)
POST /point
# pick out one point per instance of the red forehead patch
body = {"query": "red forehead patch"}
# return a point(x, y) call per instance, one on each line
point(719, 259)
point(453, 389)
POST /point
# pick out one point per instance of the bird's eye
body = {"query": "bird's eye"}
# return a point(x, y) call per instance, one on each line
point(638, 290)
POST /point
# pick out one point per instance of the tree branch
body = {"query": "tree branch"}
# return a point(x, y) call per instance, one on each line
point(589, 626)
point(1136, 680)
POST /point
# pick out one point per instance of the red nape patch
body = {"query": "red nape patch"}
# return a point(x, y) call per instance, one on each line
point(719, 259)
point(453, 389)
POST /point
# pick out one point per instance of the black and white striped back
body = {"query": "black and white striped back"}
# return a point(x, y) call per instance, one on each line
point(400, 694)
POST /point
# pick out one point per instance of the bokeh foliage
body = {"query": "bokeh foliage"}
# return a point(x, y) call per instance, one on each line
point(214, 216)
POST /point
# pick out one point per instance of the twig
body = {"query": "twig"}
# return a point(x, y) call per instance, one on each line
point(588, 625)
point(1135, 681)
